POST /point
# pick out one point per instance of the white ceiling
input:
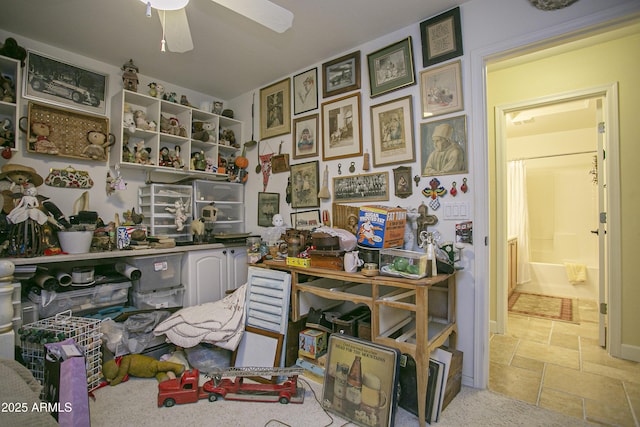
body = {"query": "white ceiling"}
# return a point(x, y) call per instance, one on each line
point(232, 54)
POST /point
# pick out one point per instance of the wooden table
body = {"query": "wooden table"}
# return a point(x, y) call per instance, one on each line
point(423, 310)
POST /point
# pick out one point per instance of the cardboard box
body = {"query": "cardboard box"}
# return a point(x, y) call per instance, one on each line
point(312, 344)
point(381, 226)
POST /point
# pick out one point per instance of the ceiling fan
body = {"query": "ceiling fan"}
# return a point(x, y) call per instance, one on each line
point(175, 27)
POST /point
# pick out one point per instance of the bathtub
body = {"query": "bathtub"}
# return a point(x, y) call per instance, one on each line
point(551, 279)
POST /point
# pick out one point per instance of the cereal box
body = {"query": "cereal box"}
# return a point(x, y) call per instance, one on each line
point(381, 226)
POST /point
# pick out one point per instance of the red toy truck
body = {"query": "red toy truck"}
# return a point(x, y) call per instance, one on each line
point(186, 390)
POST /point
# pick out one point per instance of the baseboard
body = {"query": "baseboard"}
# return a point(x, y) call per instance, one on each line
point(630, 352)
point(493, 326)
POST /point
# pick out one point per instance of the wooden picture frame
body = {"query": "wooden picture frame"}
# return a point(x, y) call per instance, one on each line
point(402, 182)
point(56, 82)
point(341, 128)
point(306, 220)
point(441, 89)
point(392, 132)
point(275, 109)
point(341, 75)
point(305, 91)
point(270, 354)
point(455, 159)
point(372, 187)
point(441, 37)
point(268, 206)
point(305, 136)
point(391, 67)
point(305, 185)
point(346, 217)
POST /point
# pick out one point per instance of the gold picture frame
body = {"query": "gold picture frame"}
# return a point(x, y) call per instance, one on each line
point(371, 187)
point(275, 109)
point(441, 89)
point(341, 128)
point(392, 132)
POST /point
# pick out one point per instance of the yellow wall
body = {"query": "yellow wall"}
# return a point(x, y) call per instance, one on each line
point(610, 61)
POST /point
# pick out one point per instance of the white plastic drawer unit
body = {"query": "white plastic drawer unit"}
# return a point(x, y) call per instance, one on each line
point(267, 303)
point(227, 198)
point(153, 201)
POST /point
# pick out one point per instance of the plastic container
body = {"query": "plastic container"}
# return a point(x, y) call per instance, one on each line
point(81, 300)
point(75, 242)
point(157, 272)
point(163, 298)
point(403, 263)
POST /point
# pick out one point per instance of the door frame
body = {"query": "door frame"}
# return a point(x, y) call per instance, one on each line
point(609, 94)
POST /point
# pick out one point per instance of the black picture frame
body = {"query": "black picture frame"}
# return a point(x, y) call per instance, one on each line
point(441, 37)
point(268, 206)
point(305, 91)
point(341, 75)
point(391, 68)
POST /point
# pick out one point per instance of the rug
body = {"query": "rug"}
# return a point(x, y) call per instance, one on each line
point(544, 306)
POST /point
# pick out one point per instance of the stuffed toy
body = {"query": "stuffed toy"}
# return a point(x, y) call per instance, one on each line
point(40, 139)
point(128, 121)
point(139, 365)
point(15, 179)
point(206, 133)
point(141, 120)
point(98, 144)
point(153, 89)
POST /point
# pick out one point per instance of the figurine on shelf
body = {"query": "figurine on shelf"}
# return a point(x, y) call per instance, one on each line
point(153, 89)
point(179, 211)
point(176, 158)
point(210, 166)
point(130, 76)
point(165, 159)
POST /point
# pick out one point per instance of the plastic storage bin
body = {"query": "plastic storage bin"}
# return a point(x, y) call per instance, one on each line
point(164, 298)
point(403, 263)
point(81, 300)
point(158, 272)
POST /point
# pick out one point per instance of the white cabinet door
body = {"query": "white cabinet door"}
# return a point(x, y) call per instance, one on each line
point(237, 267)
point(205, 276)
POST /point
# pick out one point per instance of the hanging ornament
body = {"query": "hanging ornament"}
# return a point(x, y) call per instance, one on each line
point(365, 161)
point(416, 179)
point(453, 190)
point(339, 168)
point(324, 190)
point(464, 187)
point(434, 191)
point(265, 166)
point(352, 167)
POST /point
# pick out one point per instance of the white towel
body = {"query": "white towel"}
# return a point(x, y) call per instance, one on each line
point(576, 273)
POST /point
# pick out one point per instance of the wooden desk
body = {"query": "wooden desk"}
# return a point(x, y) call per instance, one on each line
point(414, 316)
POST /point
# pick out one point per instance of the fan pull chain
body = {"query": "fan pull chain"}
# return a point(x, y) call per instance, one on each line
point(164, 42)
point(148, 9)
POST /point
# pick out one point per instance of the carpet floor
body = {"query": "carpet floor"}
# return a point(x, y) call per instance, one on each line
point(544, 306)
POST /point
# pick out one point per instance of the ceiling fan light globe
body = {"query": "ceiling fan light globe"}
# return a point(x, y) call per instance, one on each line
point(166, 4)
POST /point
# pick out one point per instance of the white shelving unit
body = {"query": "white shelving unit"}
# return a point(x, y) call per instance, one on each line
point(227, 197)
point(182, 138)
point(10, 109)
point(153, 201)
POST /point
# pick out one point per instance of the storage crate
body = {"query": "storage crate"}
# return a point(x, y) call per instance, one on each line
point(163, 298)
point(81, 300)
point(403, 263)
point(158, 272)
point(85, 332)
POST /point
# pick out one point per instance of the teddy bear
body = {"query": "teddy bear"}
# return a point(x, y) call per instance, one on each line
point(206, 133)
point(138, 365)
point(142, 154)
point(40, 139)
point(140, 118)
point(98, 144)
point(128, 121)
point(209, 165)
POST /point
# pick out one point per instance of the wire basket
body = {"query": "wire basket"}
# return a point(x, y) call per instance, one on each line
point(84, 331)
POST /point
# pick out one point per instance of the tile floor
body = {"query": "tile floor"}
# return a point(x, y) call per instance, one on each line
point(560, 366)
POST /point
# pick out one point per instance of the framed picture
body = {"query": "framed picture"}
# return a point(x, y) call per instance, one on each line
point(268, 206)
point(341, 75)
point(392, 132)
point(444, 146)
point(402, 182)
point(270, 345)
point(275, 109)
point(391, 68)
point(375, 367)
point(346, 217)
point(305, 185)
point(441, 89)
point(60, 83)
point(341, 128)
point(305, 91)
point(305, 136)
point(370, 187)
point(307, 220)
point(441, 37)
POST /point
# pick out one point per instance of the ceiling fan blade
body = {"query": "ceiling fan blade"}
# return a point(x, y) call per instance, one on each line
point(263, 12)
point(176, 30)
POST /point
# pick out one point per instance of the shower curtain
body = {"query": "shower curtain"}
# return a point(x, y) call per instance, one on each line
point(517, 215)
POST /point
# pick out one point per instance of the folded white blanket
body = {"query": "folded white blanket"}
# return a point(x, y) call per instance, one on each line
point(219, 322)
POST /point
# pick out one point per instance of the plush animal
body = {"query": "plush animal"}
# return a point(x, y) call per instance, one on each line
point(207, 133)
point(128, 121)
point(209, 165)
point(98, 144)
point(138, 365)
point(15, 179)
point(160, 90)
point(40, 139)
point(153, 89)
point(142, 154)
point(227, 137)
point(140, 118)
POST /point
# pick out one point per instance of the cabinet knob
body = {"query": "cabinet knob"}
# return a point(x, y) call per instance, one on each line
point(224, 252)
point(233, 251)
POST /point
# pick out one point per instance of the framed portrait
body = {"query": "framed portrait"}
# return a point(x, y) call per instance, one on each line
point(268, 206)
point(307, 220)
point(275, 109)
point(444, 146)
point(391, 68)
point(346, 217)
point(441, 37)
point(441, 89)
point(402, 182)
point(341, 75)
point(60, 83)
point(341, 128)
point(392, 132)
point(305, 136)
point(270, 345)
point(305, 91)
point(305, 185)
point(372, 187)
